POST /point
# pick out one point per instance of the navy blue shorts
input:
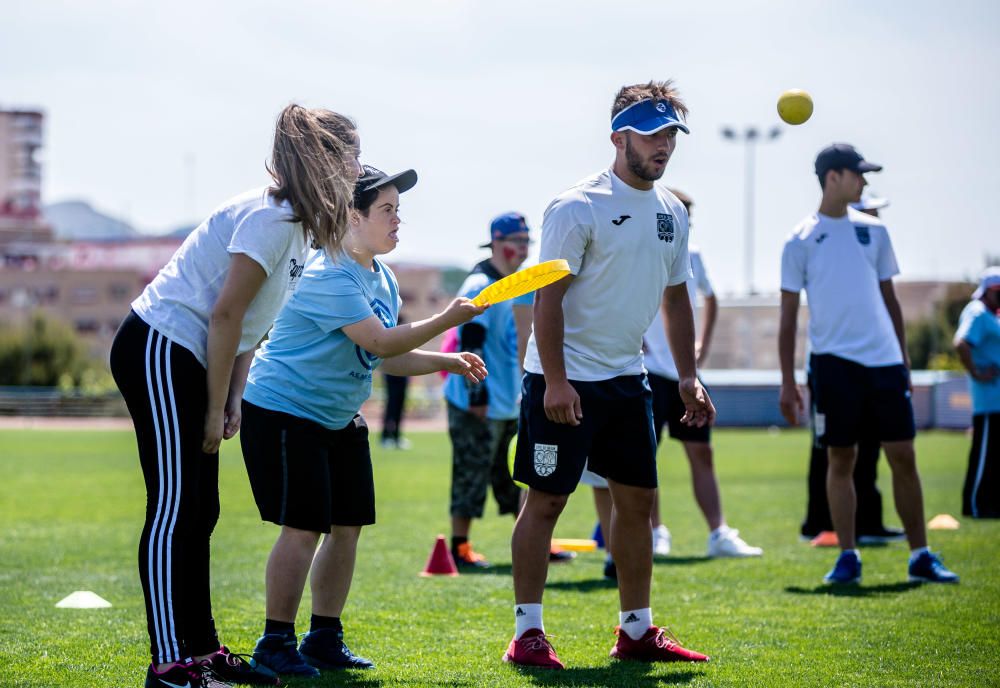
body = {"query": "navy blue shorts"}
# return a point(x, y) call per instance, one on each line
point(668, 409)
point(853, 401)
point(305, 476)
point(616, 435)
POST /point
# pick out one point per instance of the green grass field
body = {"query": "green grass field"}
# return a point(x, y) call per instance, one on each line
point(71, 506)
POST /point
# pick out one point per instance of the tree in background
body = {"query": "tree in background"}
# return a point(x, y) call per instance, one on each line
point(46, 353)
point(929, 341)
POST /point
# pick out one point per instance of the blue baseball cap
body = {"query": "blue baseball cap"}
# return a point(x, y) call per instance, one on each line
point(843, 156)
point(505, 225)
point(647, 117)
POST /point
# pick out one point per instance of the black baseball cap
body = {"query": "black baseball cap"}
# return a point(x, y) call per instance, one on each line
point(843, 156)
point(372, 179)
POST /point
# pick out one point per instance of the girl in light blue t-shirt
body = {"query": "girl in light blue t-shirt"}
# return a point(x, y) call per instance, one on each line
point(304, 441)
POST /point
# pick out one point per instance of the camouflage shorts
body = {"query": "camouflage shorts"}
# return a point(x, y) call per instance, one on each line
point(479, 460)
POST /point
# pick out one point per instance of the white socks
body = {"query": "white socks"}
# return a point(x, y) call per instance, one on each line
point(526, 617)
point(636, 622)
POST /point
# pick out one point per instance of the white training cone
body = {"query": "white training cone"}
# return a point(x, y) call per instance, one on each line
point(83, 599)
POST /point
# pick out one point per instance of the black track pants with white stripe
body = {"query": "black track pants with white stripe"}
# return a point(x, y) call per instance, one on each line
point(164, 388)
point(981, 492)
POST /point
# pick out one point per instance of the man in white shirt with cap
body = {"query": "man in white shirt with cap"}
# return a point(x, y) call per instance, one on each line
point(845, 262)
point(585, 394)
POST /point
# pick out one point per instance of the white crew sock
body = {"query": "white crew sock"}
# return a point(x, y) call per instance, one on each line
point(636, 622)
point(914, 553)
point(719, 532)
point(526, 617)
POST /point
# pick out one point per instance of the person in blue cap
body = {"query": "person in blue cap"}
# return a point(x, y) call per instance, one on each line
point(585, 396)
point(858, 364)
point(304, 440)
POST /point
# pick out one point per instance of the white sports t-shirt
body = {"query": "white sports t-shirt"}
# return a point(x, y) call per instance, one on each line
point(624, 246)
point(840, 262)
point(179, 300)
point(657, 357)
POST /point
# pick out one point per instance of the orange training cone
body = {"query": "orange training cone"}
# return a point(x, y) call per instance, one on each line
point(440, 563)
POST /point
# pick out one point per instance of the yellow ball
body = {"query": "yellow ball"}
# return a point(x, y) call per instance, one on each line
point(795, 106)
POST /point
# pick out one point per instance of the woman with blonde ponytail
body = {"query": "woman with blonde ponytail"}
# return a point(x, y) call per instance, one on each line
point(180, 359)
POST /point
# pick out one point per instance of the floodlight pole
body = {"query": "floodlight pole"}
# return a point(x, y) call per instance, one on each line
point(749, 137)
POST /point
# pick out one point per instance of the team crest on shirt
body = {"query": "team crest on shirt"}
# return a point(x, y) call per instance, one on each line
point(665, 227)
point(864, 236)
point(295, 269)
point(383, 313)
point(546, 457)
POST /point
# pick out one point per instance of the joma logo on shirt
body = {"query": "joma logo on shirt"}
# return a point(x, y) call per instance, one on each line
point(665, 227)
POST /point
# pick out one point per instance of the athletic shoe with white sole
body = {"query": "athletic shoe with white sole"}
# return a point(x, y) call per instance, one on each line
point(532, 649)
point(656, 645)
point(728, 543)
point(191, 675)
point(280, 653)
point(661, 541)
point(846, 571)
point(927, 568)
point(881, 535)
point(325, 649)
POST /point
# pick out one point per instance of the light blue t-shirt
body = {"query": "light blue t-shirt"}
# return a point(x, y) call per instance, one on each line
point(981, 329)
point(499, 353)
point(308, 367)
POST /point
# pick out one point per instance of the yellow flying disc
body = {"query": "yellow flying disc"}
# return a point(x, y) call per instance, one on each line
point(795, 106)
point(574, 545)
point(523, 281)
point(511, 453)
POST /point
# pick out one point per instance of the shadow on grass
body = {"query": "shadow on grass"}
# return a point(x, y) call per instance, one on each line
point(582, 585)
point(493, 570)
point(638, 674)
point(854, 590)
point(355, 678)
point(677, 561)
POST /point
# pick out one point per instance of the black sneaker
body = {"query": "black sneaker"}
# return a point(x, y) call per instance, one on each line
point(610, 571)
point(881, 535)
point(242, 669)
point(184, 676)
point(325, 649)
point(279, 654)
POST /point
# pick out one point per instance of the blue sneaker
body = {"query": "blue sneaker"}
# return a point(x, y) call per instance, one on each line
point(325, 649)
point(846, 571)
point(279, 653)
point(927, 568)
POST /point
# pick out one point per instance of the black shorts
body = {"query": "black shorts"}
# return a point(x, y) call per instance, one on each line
point(668, 408)
point(305, 476)
point(854, 402)
point(616, 435)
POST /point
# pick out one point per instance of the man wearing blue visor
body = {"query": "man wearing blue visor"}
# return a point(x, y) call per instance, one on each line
point(585, 396)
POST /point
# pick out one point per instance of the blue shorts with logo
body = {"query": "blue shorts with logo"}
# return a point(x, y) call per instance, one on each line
point(853, 401)
point(615, 434)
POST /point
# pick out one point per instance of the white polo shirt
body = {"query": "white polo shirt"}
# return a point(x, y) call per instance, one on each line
point(840, 262)
point(179, 300)
point(624, 246)
point(657, 357)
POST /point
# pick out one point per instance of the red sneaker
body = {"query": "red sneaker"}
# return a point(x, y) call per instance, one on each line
point(657, 645)
point(532, 649)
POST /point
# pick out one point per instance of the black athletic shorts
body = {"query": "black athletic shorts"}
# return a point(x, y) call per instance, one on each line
point(305, 476)
point(852, 400)
point(668, 408)
point(616, 434)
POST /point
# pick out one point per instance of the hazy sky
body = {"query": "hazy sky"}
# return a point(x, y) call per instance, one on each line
point(157, 113)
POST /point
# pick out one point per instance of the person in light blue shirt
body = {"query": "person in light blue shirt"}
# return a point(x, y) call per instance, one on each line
point(978, 344)
point(304, 442)
point(482, 419)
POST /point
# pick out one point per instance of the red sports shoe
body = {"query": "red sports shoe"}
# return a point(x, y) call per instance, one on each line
point(657, 645)
point(532, 649)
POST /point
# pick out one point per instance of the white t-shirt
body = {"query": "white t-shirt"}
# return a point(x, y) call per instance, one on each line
point(657, 356)
point(840, 262)
point(179, 300)
point(624, 246)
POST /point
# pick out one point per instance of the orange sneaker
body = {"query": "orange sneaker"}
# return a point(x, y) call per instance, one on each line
point(533, 649)
point(827, 538)
point(468, 558)
point(657, 645)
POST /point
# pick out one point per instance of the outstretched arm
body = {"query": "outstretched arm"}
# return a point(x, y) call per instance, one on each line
point(385, 342)
point(420, 362)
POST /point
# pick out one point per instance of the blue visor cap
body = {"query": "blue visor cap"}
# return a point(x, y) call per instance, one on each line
point(647, 117)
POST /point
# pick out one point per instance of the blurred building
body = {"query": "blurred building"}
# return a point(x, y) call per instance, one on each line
point(21, 178)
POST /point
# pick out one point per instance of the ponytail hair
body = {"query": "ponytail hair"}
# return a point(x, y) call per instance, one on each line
point(310, 170)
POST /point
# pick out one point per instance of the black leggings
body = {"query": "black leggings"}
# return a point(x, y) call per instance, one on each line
point(164, 387)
